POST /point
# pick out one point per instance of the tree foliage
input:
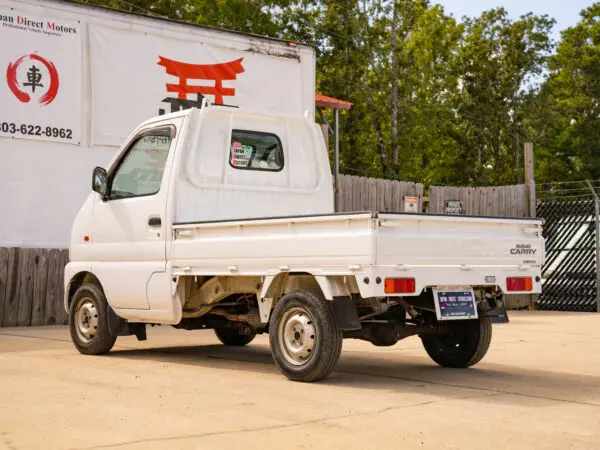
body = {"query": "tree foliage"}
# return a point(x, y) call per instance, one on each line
point(436, 99)
point(571, 96)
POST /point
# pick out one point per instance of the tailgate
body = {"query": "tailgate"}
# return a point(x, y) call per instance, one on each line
point(442, 241)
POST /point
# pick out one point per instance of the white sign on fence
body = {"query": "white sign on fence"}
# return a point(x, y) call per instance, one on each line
point(40, 77)
point(454, 207)
point(137, 75)
point(411, 204)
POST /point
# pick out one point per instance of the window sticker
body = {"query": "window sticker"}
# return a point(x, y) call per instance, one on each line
point(240, 154)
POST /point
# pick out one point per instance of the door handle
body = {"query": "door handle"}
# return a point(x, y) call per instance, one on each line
point(154, 222)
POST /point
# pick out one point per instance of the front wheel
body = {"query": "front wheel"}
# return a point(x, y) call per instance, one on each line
point(88, 321)
point(464, 345)
point(305, 340)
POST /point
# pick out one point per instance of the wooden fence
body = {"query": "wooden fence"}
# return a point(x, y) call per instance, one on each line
point(499, 201)
point(31, 280)
point(373, 194)
point(31, 286)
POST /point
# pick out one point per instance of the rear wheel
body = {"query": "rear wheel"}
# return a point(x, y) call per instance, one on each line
point(88, 321)
point(233, 336)
point(305, 340)
point(465, 344)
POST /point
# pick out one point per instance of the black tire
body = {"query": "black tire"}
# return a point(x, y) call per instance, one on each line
point(318, 336)
point(465, 345)
point(89, 299)
point(233, 336)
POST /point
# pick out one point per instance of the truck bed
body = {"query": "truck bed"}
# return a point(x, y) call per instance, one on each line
point(435, 249)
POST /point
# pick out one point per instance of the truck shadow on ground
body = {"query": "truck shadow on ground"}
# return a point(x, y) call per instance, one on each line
point(396, 371)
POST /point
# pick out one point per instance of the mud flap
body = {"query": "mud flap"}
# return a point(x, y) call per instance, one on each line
point(497, 314)
point(118, 326)
point(346, 314)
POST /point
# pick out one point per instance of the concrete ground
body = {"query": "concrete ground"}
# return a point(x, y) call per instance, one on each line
point(538, 387)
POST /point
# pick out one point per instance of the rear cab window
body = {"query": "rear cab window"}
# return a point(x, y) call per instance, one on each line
point(254, 150)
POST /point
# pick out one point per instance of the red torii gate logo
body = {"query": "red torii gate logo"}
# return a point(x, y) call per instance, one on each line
point(211, 72)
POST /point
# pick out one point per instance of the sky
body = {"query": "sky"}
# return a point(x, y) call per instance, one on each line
point(565, 12)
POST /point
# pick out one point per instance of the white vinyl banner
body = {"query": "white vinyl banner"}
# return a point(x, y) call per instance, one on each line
point(137, 75)
point(40, 77)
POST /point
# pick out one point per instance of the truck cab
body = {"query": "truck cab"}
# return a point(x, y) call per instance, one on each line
point(223, 218)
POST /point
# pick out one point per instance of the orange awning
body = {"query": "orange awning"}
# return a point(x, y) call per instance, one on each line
point(323, 101)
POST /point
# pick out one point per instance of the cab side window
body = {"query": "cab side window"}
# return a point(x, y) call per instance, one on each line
point(141, 171)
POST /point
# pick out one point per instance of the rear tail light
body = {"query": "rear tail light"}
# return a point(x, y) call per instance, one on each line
point(519, 284)
point(399, 285)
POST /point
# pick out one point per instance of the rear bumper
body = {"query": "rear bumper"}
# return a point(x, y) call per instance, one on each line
point(371, 279)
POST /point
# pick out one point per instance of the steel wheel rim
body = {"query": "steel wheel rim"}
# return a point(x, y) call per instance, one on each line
point(86, 320)
point(297, 336)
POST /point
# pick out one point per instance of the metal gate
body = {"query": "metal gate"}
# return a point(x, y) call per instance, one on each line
point(570, 276)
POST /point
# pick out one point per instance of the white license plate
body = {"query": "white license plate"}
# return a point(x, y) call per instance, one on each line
point(455, 303)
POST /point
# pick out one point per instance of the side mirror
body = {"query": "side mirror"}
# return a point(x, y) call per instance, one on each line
point(99, 181)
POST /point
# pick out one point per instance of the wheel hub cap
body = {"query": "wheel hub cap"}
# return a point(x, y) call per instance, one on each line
point(87, 320)
point(297, 336)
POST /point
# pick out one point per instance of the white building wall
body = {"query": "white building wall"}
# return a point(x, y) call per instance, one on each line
point(43, 184)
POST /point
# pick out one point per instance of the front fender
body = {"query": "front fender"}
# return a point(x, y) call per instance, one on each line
point(72, 269)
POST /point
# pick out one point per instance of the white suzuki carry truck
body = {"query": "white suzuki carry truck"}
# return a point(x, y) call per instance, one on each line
point(222, 218)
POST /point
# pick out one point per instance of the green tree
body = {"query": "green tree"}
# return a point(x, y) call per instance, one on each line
point(570, 143)
point(427, 79)
point(500, 64)
point(392, 60)
point(256, 16)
